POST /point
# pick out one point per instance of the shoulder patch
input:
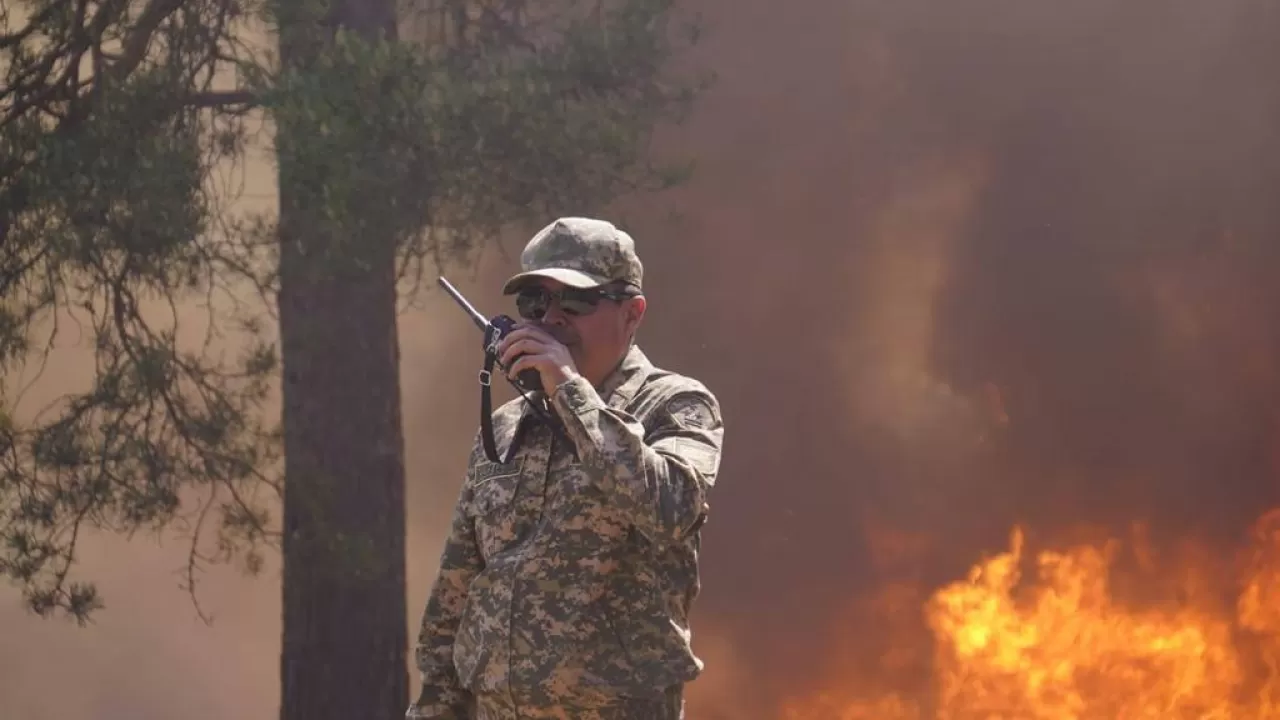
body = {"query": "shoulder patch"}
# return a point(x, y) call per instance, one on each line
point(690, 410)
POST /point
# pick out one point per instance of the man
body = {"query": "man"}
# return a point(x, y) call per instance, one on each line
point(569, 571)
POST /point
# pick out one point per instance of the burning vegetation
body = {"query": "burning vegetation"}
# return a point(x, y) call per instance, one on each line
point(1088, 629)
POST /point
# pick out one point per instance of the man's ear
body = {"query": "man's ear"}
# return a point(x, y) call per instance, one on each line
point(635, 312)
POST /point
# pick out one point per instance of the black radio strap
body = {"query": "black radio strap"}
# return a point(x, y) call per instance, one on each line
point(486, 411)
point(486, 408)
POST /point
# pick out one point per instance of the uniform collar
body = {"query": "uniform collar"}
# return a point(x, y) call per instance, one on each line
point(621, 384)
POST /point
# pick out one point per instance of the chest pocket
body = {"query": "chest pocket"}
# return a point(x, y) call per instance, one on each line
point(579, 505)
point(497, 519)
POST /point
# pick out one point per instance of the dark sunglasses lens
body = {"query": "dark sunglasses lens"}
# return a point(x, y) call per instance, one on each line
point(579, 302)
point(532, 303)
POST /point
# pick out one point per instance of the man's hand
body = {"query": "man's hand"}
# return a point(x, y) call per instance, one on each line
point(539, 351)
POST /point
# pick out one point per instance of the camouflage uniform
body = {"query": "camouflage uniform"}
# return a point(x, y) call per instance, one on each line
point(568, 574)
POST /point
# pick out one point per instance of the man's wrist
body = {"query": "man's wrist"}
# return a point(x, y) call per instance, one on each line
point(558, 378)
point(575, 396)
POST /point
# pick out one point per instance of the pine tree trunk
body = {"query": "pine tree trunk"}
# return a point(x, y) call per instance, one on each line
point(344, 652)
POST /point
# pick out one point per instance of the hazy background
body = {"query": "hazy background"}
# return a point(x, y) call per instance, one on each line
point(948, 265)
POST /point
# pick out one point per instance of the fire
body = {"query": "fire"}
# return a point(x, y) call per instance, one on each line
point(1091, 633)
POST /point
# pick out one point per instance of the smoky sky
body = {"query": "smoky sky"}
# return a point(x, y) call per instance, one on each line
point(949, 266)
point(1097, 181)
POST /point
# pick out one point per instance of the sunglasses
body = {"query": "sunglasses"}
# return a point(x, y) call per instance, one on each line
point(533, 302)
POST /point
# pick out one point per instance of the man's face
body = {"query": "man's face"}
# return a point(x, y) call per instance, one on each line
point(596, 325)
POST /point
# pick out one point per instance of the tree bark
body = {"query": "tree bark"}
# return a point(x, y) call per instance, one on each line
point(344, 652)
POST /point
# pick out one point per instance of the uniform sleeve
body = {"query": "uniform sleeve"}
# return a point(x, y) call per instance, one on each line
point(661, 478)
point(442, 698)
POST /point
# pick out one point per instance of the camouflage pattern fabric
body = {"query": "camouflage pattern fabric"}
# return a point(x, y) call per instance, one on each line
point(568, 574)
point(668, 706)
point(581, 253)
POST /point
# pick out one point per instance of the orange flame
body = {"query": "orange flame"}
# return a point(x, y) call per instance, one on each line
point(1063, 645)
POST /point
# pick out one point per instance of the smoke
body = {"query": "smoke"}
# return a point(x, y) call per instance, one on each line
point(1112, 286)
point(979, 264)
point(948, 266)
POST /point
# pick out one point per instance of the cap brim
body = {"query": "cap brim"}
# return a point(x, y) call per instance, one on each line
point(572, 278)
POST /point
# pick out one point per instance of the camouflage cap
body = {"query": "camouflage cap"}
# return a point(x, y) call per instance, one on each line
point(581, 253)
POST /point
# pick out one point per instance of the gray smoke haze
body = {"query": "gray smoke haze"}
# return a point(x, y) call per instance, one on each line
point(949, 266)
point(980, 263)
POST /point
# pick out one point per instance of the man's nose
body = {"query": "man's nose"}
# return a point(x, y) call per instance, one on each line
point(554, 315)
